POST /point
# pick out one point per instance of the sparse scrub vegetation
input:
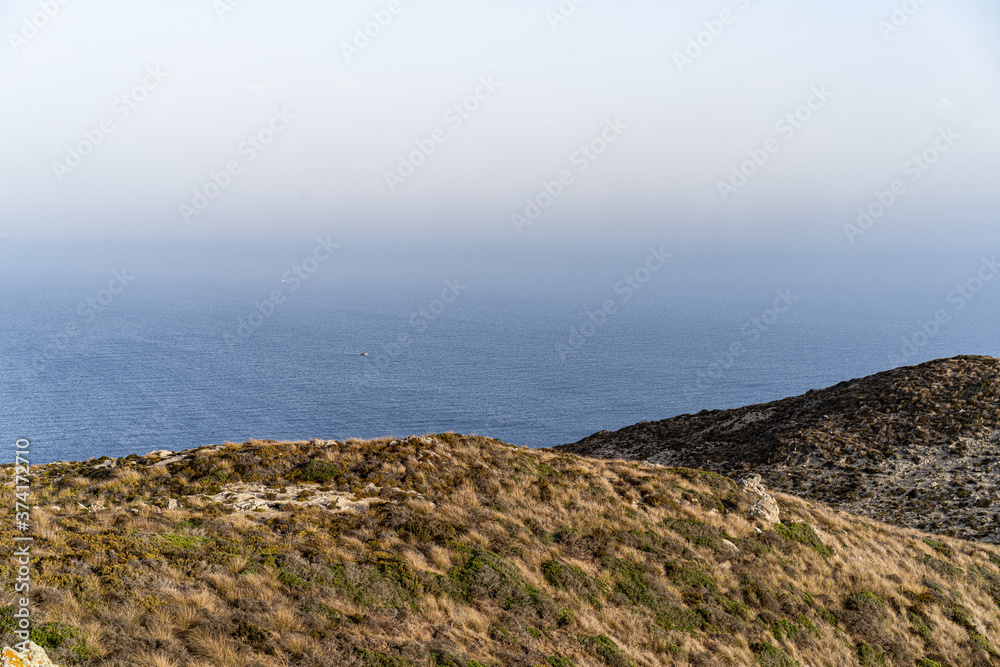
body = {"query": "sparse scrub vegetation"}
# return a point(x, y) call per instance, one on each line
point(913, 446)
point(455, 559)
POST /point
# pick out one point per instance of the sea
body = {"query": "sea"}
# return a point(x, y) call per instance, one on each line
point(109, 348)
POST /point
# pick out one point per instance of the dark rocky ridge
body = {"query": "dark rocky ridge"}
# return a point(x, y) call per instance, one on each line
point(915, 446)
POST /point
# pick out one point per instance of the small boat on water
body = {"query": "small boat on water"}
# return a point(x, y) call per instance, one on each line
point(364, 354)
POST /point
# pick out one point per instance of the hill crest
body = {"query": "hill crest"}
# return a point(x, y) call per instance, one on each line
point(475, 553)
point(914, 446)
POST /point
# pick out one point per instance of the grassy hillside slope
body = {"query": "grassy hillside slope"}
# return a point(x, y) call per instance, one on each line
point(451, 550)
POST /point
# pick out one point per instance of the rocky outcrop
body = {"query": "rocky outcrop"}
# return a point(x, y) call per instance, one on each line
point(917, 446)
point(765, 507)
point(261, 498)
point(34, 656)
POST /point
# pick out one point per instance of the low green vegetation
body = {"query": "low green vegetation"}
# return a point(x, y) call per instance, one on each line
point(804, 534)
point(468, 552)
point(767, 655)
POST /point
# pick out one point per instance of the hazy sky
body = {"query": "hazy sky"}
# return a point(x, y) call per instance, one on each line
point(200, 77)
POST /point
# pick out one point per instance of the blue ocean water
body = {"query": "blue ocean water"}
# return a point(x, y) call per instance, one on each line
point(199, 343)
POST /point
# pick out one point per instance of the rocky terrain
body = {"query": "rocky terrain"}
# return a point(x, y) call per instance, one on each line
point(915, 446)
point(468, 552)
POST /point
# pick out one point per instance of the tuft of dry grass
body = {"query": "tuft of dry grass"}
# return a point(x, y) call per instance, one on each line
point(214, 648)
point(156, 660)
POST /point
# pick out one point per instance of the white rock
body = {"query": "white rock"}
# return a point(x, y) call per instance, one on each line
point(161, 453)
point(753, 483)
point(35, 656)
point(766, 508)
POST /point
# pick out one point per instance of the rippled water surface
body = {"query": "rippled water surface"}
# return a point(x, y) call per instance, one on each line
point(538, 347)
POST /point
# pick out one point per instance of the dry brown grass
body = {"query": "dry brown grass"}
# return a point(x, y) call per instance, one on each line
point(490, 553)
point(156, 660)
point(215, 648)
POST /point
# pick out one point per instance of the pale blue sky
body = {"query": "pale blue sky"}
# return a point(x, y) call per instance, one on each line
point(612, 59)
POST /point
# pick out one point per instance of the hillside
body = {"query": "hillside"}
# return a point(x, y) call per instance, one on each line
point(915, 446)
point(465, 551)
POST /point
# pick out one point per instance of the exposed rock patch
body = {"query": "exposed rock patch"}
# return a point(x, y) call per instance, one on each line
point(260, 498)
point(35, 656)
point(765, 507)
point(915, 446)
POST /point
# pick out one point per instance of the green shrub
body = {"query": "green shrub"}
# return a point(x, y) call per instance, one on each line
point(696, 532)
point(574, 580)
point(691, 577)
point(375, 659)
point(318, 471)
point(188, 542)
point(866, 601)
point(939, 547)
point(605, 647)
point(442, 658)
point(395, 569)
point(869, 657)
point(984, 644)
point(672, 617)
point(767, 655)
point(920, 626)
point(808, 625)
point(54, 635)
point(733, 607)
point(630, 582)
point(254, 637)
point(785, 628)
point(556, 661)
point(804, 534)
point(49, 636)
point(963, 617)
point(291, 579)
point(383, 581)
point(485, 575)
